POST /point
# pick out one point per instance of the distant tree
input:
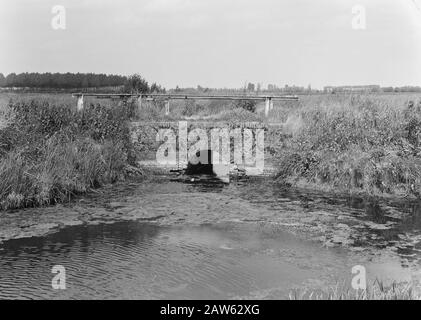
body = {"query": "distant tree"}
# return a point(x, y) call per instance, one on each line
point(250, 87)
point(85, 83)
point(136, 84)
point(387, 89)
point(10, 78)
point(63, 80)
point(155, 88)
point(2, 80)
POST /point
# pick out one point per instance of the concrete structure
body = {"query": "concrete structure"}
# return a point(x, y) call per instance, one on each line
point(246, 136)
point(167, 107)
point(80, 102)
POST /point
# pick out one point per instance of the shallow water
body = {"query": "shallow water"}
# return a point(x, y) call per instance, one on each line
point(248, 239)
point(135, 260)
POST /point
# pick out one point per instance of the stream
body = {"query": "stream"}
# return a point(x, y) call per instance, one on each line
point(173, 239)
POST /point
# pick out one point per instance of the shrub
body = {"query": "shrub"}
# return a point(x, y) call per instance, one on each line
point(41, 117)
point(136, 84)
point(191, 108)
point(249, 105)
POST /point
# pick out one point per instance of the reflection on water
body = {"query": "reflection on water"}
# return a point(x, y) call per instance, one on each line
point(134, 260)
point(219, 249)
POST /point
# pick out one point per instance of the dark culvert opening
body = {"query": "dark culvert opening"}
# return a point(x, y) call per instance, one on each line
point(201, 164)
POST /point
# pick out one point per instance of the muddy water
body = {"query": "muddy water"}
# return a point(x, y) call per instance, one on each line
point(209, 240)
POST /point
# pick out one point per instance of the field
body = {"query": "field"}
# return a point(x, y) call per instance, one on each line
point(366, 144)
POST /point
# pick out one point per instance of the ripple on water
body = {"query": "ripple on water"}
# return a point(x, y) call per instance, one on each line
point(135, 260)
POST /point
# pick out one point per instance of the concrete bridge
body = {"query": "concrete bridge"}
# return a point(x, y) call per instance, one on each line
point(238, 147)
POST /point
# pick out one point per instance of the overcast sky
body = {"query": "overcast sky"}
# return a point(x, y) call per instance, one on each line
point(218, 43)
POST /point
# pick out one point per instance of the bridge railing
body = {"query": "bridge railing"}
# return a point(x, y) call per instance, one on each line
point(167, 97)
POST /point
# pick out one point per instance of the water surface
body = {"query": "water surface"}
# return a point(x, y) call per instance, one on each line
point(209, 240)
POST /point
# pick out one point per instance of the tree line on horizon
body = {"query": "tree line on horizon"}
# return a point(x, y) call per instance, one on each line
point(129, 84)
point(132, 84)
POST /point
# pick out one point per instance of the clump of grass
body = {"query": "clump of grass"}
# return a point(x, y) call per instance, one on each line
point(50, 152)
point(376, 291)
point(238, 115)
point(192, 107)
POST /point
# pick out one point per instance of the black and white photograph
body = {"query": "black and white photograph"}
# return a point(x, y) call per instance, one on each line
point(210, 155)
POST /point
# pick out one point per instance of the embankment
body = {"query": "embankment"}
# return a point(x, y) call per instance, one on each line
point(50, 152)
point(361, 145)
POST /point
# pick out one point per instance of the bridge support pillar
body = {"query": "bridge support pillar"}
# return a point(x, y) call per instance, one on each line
point(268, 103)
point(139, 104)
point(80, 102)
point(167, 107)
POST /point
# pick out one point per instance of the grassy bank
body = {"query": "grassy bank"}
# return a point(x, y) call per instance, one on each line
point(365, 144)
point(49, 151)
point(375, 291)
